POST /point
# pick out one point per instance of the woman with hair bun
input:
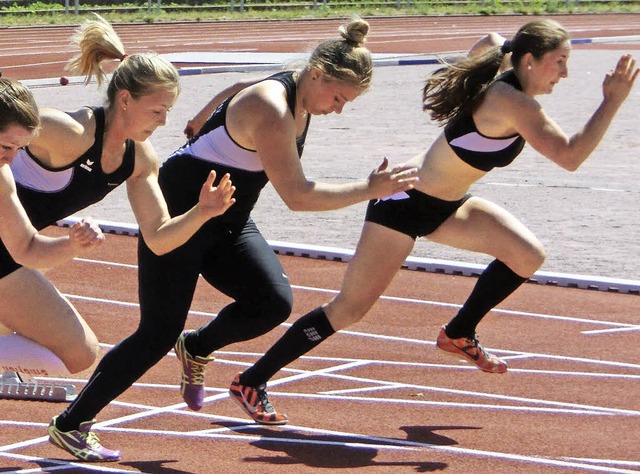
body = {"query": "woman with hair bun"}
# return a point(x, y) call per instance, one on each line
point(79, 157)
point(487, 120)
point(256, 135)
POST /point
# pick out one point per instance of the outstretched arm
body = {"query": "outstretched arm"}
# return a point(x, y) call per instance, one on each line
point(570, 152)
point(273, 135)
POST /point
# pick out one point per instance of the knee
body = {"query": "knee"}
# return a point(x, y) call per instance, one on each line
point(536, 257)
point(274, 306)
point(526, 263)
point(343, 312)
point(280, 307)
point(83, 355)
point(159, 339)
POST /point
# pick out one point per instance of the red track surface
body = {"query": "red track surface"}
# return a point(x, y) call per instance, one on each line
point(28, 53)
point(378, 397)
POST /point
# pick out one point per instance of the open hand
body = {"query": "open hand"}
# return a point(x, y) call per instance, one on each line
point(215, 200)
point(383, 182)
point(618, 83)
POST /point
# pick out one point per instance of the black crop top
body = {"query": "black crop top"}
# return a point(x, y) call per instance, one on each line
point(482, 152)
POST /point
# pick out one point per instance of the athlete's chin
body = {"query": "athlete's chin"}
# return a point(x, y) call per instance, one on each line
point(142, 136)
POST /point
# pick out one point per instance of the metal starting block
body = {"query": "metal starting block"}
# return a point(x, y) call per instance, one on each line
point(12, 386)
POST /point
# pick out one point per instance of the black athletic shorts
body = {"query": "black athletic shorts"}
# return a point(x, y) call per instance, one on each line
point(412, 212)
point(7, 263)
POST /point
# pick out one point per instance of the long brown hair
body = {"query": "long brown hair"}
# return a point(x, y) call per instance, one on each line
point(457, 88)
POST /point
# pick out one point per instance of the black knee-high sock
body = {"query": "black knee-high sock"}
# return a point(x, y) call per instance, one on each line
point(494, 284)
point(305, 334)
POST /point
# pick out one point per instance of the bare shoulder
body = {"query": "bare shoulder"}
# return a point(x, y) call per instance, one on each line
point(505, 110)
point(77, 123)
point(265, 97)
point(75, 131)
point(501, 94)
point(146, 160)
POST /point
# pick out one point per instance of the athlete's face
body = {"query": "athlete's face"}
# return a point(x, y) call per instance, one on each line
point(148, 112)
point(12, 139)
point(328, 95)
point(549, 69)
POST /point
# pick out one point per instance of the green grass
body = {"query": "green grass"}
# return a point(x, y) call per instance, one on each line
point(53, 14)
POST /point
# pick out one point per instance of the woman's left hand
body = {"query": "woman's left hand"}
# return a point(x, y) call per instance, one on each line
point(215, 200)
point(383, 182)
point(618, 83)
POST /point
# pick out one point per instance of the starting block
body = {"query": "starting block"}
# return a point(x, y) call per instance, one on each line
point(15, 386)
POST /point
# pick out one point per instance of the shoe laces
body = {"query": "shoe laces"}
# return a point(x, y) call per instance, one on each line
point(480, 347)
point(91, 439)
point(196, 371)
point(263, 399)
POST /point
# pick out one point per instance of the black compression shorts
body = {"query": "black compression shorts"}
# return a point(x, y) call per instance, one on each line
point(412, 212)
point(7, 263)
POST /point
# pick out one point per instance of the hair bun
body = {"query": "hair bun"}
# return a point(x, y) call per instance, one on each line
point(506, 47)
point(355, 31)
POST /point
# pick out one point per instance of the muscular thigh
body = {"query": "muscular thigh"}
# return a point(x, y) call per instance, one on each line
point(167, 282)
point(482, 226)
point(31, 306)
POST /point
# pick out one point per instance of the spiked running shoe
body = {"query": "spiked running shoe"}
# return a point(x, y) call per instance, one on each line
point(82, 443)
point(255, 403)
point(471, 350)
point(192, 380)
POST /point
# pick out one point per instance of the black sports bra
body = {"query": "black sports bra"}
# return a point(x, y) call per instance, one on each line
point(478, 150)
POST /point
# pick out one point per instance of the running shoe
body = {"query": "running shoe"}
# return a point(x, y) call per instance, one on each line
point(82, 443)
point(255, 402)
point(192, 380)
point(471, 350)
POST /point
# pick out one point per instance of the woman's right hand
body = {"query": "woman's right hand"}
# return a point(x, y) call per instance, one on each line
point(189, 130)
point(85, 235)
point(383, 182)
point(215, 200)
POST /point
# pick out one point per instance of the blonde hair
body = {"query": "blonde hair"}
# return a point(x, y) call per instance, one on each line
point(346, 59)
point(141, 73)
point(17, 106)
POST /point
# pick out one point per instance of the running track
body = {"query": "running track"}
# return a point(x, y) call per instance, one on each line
point(378, 397)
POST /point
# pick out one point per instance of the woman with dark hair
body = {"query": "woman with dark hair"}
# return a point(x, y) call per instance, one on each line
point(487, 120)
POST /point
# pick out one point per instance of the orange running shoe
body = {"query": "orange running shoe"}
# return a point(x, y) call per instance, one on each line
point(255, 403)
point(471, 350)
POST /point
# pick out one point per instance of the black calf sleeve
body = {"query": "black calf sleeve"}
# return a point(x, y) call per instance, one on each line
point(305, 334)
point(496, 283)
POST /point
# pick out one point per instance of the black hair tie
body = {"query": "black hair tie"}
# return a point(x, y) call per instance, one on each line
point(506, 47)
